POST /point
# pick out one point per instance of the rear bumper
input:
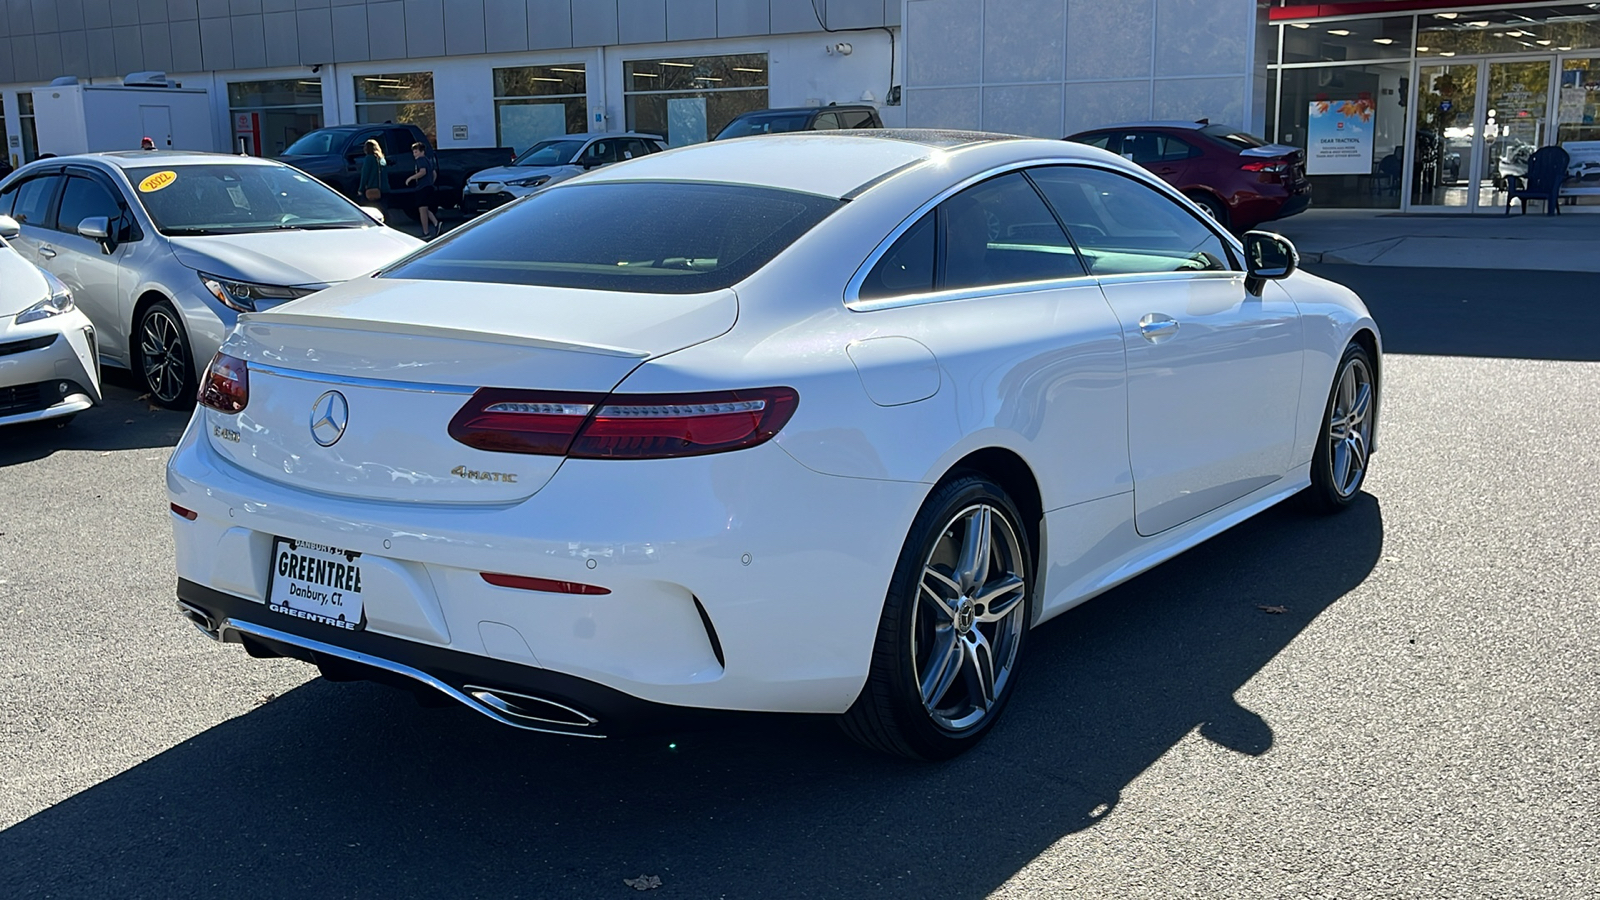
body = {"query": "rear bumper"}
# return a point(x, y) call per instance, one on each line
point(514, 695)
point(738, 581)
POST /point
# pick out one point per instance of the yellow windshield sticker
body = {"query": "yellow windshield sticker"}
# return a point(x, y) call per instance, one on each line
point(157, 181)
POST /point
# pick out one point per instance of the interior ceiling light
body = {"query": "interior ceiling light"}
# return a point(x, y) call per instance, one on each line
point(1479, 24)
point(645, 75)
point(1447, 53)
point(1384, 41)
point(1423, 49)
point(559, 69)
point(1299, 25)
point(1544, 43)
point(1445, 15)
point(743, 69)
point(1339, 31)
point(677, 64)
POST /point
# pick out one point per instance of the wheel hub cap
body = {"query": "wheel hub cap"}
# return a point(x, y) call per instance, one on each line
point(966, 614)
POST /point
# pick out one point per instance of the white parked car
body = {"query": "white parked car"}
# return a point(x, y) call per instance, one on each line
point(48, 368)
point(893, 399)
point(551, 162)
point(163, 249)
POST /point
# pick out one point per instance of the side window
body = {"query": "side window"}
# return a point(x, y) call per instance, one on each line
point(601, 152)
point(1124, 227)
point(858, 118)
point(633, 148)
point(33, 201)
point(1101, 140)
point(1000, 232)
point(358, 146)
point(1173, 149)
point(908, 266)
point(825, 122)
point(8, 199)
point(84, 199)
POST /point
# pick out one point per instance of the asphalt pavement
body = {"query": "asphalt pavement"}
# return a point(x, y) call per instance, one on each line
point(1419, 721)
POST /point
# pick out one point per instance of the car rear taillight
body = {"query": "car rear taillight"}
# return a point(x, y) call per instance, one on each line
point(1274, 167)
point(225, 387)
point(622, 426)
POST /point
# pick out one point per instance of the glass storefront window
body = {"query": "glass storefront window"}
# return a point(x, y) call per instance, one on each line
point(1526, 30)
point(30, 133)
point(690, 99)
point(1340, 40)
point(1578, 103)
point(536, 102)
point(1373, 96)
point(286, 108)
point(405, 97)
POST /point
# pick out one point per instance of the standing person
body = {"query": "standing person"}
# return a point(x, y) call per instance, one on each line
point(424, 177)
point(371, 185)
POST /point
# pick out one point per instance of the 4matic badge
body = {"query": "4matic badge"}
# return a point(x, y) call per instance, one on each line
point(475, 475)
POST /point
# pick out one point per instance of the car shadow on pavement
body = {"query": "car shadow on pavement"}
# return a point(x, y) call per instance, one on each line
point(1492, 313)
point(338, 790)
point(123, 421)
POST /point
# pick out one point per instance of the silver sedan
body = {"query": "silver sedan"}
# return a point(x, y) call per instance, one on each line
point(163, 250)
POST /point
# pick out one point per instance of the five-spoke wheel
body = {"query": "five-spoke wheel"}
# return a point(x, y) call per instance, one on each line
point(1339, 465)
point(953, 626)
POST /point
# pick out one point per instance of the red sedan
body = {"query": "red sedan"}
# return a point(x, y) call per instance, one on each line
point(1237, 177)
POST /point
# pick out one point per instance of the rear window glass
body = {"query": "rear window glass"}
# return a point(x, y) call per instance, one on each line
point(1233, 137)
point(648, 237)
point(772, 123)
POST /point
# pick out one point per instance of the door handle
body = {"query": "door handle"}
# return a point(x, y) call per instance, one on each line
point(1156, 327)
point(47, 253)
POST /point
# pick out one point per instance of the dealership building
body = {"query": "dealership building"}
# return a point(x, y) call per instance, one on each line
point(1404, 104)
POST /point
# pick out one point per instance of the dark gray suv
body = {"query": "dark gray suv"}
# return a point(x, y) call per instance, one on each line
point(801, 118)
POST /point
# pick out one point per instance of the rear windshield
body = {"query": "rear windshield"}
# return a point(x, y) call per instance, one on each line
point(646, 237)
point(1233, 137)
point(771, 123)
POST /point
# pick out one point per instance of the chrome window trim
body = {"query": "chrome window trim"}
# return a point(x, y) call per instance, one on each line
point(382, 384)
point(852, 290)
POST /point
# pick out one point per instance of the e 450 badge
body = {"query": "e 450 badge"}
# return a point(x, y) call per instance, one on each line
point(475, 475)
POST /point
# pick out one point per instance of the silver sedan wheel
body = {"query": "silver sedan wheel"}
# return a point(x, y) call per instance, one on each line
point(1350, 427)
point(968, 621)
point(165, 357)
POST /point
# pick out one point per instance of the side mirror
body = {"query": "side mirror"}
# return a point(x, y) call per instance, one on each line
point(374, 212)
point(1268, 257)
point(95, 227)
point(9, 227)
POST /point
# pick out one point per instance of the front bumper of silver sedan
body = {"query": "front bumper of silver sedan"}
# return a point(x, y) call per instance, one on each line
point(48, 368)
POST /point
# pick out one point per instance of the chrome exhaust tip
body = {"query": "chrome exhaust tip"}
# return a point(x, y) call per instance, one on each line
point(528, 708)
point(201, 620)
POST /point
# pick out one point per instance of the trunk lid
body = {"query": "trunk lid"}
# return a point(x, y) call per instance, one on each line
point(403, 357)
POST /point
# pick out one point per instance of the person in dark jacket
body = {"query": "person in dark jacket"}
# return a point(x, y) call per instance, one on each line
point(424, 178)
point(371, 186)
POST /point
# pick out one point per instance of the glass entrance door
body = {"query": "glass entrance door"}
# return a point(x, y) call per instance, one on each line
point(1516, 123)
point(1476, 124)
point(1442, 146)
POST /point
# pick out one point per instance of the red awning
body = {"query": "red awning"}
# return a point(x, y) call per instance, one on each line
point(1370, 7)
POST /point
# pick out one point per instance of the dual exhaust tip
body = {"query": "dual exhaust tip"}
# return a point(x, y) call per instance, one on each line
point(519, 710)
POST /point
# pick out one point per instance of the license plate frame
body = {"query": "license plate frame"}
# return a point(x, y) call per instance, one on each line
point(316, 583)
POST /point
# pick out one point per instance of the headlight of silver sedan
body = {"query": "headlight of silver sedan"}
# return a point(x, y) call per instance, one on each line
point(59, 301)
point(243, 295)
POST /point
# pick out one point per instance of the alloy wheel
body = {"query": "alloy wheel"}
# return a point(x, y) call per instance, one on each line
point(1350, 427)
point(968, 621)
point(161, 348)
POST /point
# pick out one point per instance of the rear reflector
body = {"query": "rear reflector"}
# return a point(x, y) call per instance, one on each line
point(622, 426)
point(547, 585)
point(225, 387)
point(189, 514)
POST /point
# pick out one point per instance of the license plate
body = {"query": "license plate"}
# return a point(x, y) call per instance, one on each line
point(316, 583)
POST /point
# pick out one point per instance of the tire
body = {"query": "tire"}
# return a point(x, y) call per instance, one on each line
point(1341, 460)
point(932, 607)
point(1213, 207)
point(165, 361)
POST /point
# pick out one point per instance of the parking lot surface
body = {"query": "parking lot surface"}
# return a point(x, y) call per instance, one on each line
point(1419, 720)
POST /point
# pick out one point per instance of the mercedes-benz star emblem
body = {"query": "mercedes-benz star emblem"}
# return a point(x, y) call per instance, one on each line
point(329, 416)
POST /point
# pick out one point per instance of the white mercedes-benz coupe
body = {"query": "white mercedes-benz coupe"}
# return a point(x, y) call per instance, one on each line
point(809, 423)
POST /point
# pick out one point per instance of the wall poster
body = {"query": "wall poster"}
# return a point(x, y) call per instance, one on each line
point(1339, 139)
